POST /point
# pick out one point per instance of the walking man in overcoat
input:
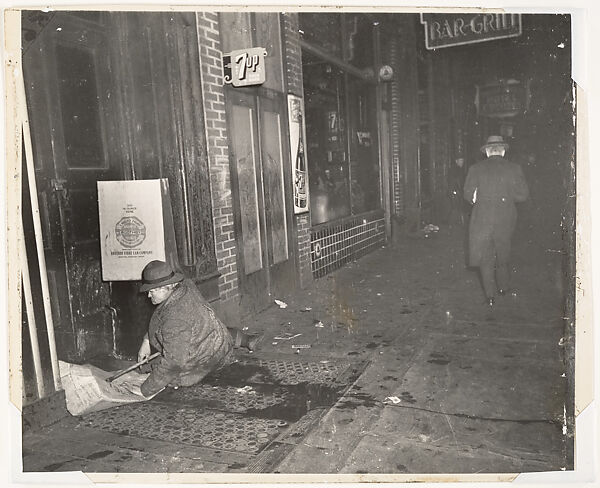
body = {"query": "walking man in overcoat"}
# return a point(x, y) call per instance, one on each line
point(493, 186)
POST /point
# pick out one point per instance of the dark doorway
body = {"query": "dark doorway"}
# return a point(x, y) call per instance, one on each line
point(68, 81)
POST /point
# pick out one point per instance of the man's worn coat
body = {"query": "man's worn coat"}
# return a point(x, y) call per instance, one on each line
point(499, 184)
point(192, 340)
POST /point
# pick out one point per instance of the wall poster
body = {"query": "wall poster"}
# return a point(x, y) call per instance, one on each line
point(299, 163)
point(135, 220)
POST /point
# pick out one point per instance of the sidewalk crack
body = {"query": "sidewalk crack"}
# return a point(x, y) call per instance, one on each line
point(476, 417)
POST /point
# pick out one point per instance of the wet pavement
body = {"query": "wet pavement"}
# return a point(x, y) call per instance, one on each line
point(400, 367)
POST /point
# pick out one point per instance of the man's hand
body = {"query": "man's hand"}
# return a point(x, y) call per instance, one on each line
point(144, 351)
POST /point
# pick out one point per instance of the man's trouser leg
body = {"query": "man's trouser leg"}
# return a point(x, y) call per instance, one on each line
point(488, 261)
point(502, 275)
point(237, 335)
point(502, 245)
point(241, 339)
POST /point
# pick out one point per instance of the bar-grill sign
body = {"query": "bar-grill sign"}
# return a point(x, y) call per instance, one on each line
point(245, 67)
point(444, 30)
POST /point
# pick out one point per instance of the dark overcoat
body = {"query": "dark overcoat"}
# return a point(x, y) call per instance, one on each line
point(499, 184)
point(192, 340)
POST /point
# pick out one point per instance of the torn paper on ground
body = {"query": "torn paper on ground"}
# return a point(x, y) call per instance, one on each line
point(86, 388)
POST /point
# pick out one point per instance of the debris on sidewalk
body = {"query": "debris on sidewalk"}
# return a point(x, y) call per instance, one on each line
point(306, 309)
point(297, 347)
point(246, 389)
point(393, 399)
point(431, 228)
point(319, 324)
point(281, 304)
point(286, 336)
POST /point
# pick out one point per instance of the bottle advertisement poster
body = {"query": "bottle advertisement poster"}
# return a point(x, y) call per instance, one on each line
point(131, 227)
point(298, 154)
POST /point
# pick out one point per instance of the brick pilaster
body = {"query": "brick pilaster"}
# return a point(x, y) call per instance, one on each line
point(218, 152)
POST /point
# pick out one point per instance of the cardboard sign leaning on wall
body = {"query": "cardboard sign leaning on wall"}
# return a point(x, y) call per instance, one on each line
point(136, 227)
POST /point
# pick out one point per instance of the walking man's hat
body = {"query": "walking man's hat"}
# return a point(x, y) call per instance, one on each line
point(494, 141)
point(158, 273)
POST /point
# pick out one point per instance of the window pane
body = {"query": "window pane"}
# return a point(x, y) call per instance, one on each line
point(326, 133)
point(364, 159)
point(273, 174)
point(323, 30)
point(243, 145)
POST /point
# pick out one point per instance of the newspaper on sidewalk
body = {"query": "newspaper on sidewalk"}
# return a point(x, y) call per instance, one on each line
point(86, 388)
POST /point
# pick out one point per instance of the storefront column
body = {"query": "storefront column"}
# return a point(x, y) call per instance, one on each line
point(405, 123)
point(213, 94)
point(292, 54)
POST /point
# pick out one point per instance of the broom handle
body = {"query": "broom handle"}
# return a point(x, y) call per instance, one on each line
point(132, 367)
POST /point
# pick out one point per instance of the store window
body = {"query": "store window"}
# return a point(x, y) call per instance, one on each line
point(341, 117)
point(364, 159)
point(327, 143)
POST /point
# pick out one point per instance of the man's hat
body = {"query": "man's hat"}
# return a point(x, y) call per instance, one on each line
point(494, 141)
point(158, 273)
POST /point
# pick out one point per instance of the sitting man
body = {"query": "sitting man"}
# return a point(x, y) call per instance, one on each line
point(185, 330)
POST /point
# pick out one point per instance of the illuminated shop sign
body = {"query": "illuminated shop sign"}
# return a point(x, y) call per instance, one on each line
point(245, 67)
point(502, 99)
point(444, 30)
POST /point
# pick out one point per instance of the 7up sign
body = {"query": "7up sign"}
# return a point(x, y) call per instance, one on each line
point(245, 67)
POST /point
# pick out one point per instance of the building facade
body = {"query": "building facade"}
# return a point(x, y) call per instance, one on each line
point(349, 140)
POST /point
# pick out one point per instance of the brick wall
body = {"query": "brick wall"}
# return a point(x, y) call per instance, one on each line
point(293, 72)
point(292, 54)
point(218, 154)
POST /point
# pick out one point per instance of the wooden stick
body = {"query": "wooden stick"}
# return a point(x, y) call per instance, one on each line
point(37, 229)
point(33, 333)
point(132, 367)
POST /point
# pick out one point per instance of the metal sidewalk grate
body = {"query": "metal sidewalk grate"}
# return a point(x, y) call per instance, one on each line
point(258, 407)
point(229, 398)
point(185, 425)
point(295, 372)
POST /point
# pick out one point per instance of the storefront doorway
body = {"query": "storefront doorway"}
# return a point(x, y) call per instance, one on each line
point(68, 79)
point(260, 166)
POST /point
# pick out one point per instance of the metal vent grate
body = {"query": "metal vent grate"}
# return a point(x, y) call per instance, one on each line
point(295, 372)
point(230, 398)
point(215, 430)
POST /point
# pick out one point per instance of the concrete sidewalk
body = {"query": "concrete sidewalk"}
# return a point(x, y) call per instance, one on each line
point(477, 389)
point(452, 386)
